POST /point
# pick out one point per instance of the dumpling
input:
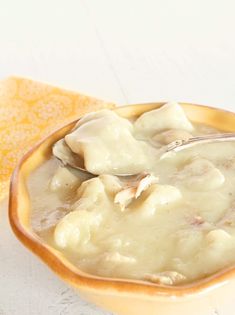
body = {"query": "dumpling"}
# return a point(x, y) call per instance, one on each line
point(106, 142)
point(75, 229)
point(217, 237)
point(216, 251)
point(94, 201)
point(200, 175)
point(169, 116)
point(64, 179)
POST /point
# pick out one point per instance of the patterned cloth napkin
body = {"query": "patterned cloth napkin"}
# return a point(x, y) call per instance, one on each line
point(30, 110)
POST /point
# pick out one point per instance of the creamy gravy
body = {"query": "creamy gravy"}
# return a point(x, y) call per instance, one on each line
point(172, 227)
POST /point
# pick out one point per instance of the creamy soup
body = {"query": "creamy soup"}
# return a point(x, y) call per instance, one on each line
point(172, 223)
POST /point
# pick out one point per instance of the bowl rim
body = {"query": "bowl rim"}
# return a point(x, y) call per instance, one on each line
point(78, 278)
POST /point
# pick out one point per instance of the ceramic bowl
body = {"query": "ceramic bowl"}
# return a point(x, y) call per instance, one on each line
point(211, 296)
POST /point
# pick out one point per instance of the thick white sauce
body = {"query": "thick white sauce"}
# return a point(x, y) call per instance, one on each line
point(172, 227)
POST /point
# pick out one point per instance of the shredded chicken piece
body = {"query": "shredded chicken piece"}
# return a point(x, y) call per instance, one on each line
point(116, 257)
point(197, 220)
point(144, 184)
point(133, 189)
point(124, 196)
point(166, 277)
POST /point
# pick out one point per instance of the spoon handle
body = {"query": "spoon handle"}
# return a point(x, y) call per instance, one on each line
point(179, 145)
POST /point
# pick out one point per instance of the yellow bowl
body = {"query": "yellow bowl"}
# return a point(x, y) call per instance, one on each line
point(210, 296)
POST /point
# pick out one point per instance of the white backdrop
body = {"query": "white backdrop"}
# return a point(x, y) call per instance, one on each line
point(126, 51)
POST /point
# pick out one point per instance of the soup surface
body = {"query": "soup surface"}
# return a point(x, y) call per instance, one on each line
point(171, 224)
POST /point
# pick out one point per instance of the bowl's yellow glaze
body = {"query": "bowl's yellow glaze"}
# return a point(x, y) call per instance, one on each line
point(124, 297)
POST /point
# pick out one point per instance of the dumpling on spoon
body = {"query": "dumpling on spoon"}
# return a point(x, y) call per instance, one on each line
point(106, 143)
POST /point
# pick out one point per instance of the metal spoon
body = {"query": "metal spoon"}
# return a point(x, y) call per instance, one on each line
point(180, 145)
point(61, 150)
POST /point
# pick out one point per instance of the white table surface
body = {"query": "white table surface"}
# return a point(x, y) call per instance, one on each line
point(127, 51)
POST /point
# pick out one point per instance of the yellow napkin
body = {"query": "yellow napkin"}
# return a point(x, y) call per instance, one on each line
point(30, 110)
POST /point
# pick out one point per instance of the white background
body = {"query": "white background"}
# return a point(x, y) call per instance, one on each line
point(126, 51)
